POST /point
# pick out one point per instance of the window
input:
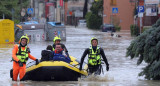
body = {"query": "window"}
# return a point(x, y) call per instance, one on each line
point(113, 2)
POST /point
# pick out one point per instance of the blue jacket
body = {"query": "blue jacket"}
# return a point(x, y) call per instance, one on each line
point(60, 57)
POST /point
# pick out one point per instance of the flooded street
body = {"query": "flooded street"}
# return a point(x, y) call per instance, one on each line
point(123, 71)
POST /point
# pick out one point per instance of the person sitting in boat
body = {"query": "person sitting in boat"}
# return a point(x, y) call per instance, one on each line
point(60, 55)
point(57, 40)
point(47, 54)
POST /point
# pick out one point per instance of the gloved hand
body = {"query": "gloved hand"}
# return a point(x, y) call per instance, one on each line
point(37, 62)
point(20, 63)
point(107, 67)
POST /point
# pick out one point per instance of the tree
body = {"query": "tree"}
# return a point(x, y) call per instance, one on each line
point(94, 18)
point(146, 47)
point(85, 8)
point(97, 7)
point(9, 6)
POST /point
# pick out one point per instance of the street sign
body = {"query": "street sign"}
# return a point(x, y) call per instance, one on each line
point(140, 14)
point(114, 10)
point(49, 4)
point(61, 3)
point(70, 13)
point(159, 10)
point(30, 11)
point(140, 9)
point(151, 10)
point(104, 15)
point(151, 1)
point(78, 13)
point(23, 12)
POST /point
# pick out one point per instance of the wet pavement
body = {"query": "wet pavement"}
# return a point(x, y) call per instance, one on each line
point(123, 71)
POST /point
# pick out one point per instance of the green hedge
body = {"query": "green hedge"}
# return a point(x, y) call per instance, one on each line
point(93, 21)
point(145, 28)
point(118, 28)
point(134, 30)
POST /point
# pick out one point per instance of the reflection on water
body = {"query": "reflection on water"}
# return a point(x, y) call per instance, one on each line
point(5, 50)
point(6, 46)
point(123, 71)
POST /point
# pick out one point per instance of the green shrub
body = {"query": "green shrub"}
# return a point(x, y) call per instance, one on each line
point(146, 48)
point(87, 17)
point(145, 28)
point(118, 28)
point(93, 21)
point(94, 18)
point(134, 30)
point(16, 21)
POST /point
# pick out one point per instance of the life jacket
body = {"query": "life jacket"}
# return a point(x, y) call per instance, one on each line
point(53, 49)
point(23, 54)
point(94, 57)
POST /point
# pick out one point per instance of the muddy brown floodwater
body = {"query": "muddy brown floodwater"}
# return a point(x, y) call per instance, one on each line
point(123, 71)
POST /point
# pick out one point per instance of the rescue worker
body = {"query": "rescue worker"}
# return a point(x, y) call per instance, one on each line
point(94, 58)
point(60, 55)
point(57, 40)
point(20, 55)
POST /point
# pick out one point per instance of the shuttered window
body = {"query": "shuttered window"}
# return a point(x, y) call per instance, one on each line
point(113, 2)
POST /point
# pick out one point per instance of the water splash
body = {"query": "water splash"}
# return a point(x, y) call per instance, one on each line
point(97, 78)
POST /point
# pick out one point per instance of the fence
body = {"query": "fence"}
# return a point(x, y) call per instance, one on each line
point(42, 32)
point(53, 30)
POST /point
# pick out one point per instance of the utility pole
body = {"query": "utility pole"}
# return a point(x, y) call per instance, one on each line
point(102, 11)
point(140, 21)
point(63, 12)
point(3, 16)
point(21, 10)
point(12, 14)
point(137, 4)
point(85, 8)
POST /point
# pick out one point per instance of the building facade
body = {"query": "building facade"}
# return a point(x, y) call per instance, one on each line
point(51, 10)
point(73, 11)
point(151, 12)
point(118, 12)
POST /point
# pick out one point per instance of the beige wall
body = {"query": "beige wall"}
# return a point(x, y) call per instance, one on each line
point(58, 17)
point(124, 15)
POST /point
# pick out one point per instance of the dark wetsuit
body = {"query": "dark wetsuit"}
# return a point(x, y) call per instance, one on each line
point(91, 67)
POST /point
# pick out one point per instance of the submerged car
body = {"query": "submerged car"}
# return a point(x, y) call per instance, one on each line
point(82, 23)
point(56, 23)
point(108, 27)
point(29, 22)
